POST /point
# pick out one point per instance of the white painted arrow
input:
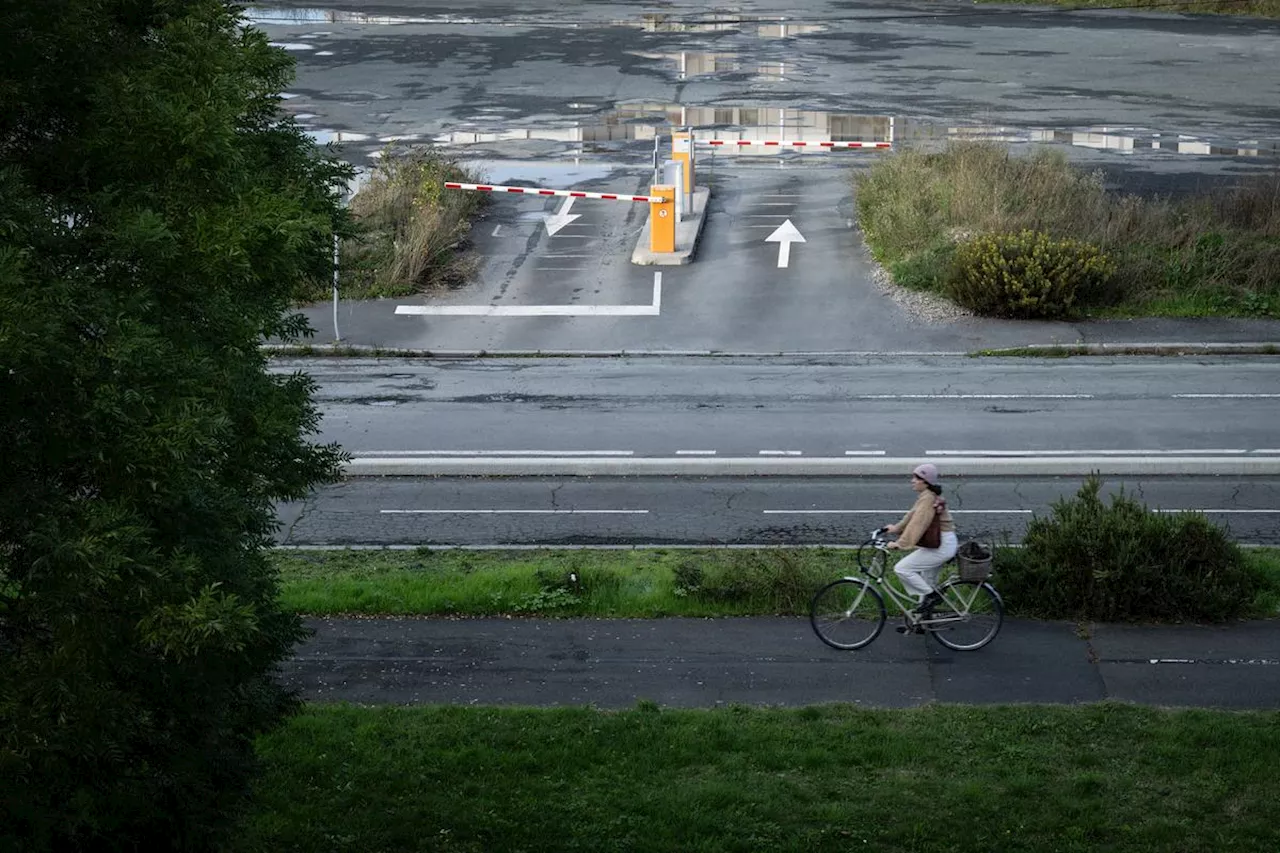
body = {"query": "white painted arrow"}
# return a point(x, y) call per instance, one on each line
point(560, 218)
point(784, 236)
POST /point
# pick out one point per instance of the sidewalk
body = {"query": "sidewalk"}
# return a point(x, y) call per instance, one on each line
point(703, 663)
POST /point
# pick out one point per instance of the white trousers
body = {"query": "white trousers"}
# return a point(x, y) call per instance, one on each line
point(918, 571)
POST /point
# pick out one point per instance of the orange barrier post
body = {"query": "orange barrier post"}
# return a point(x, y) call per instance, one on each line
point(662, 219)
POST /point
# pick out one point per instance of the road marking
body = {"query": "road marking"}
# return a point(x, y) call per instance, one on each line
point(864, 453)
point(779, 452)
point(561, 217)
point(381, 453)
point(1226, 661)
point(695, 453)
point(894, 511)
point(496, 229)
point(996, 511)
point(514, 511)
point(1226, 511)
point(652, 310)
point(1083, 452)
point(972, 397)
point(1226, 396)
point(784, 237)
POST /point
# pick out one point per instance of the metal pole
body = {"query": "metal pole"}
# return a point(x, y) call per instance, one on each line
point(337, 336)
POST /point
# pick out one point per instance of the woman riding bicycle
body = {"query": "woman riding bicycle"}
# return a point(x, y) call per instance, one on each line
point(918, 570)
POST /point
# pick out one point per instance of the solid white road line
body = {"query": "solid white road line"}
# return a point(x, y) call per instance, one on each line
point(972, 397)
point(894, 511)
point(1226, 396)
point(514, 511)
point(1032, 453)
point(385, 453)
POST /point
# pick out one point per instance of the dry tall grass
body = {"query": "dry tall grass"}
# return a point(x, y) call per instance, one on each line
point(1214, 254)
point(412, 226)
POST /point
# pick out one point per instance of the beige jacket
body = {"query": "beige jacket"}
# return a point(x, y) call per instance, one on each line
point(919, 517)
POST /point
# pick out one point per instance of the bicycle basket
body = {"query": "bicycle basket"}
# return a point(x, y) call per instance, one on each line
point(974, 561)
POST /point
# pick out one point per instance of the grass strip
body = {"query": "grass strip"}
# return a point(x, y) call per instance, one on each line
point(630, 583)
point(1105, 777)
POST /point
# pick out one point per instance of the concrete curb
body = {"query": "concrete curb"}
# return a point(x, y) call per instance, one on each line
point(881, 466)
point(341, 350)
point(1059, 350)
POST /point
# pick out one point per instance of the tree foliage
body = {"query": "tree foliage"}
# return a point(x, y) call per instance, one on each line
point(156, 213)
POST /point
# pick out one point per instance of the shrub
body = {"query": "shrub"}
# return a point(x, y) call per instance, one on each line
point(1121, 562)
point(1025, 275)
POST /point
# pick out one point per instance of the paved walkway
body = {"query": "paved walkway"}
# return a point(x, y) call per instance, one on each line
point(777, 661)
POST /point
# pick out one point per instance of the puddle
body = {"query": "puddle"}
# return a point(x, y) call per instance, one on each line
point(1122, 140)
point(541, 173)
point(642, 121)
point(295, 45)
point(765, 27)
point(325, 137)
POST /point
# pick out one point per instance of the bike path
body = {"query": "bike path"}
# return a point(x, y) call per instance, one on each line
point(704, 663)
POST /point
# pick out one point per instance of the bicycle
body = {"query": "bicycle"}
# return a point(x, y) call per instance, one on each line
point(849, 613)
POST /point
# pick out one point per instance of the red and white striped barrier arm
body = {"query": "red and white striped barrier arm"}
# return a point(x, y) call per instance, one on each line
point(789, 144)
point(489, 188)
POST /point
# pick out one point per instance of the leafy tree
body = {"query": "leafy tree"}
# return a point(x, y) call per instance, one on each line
point(156, 212)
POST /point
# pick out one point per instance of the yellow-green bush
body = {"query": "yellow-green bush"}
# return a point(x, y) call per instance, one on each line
point(1027, 274)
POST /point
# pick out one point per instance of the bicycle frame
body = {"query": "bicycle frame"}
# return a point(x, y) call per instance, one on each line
point(957, 602)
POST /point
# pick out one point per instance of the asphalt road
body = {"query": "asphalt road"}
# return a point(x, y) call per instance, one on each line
point(776, 661)
point(789, 407)
point(722, 511)
point(539, 94)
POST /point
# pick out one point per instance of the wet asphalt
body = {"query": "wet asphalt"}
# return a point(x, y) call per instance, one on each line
point(572, 96)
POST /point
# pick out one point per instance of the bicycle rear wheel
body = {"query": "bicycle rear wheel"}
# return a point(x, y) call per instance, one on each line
point(847, 614)
point(968, 617)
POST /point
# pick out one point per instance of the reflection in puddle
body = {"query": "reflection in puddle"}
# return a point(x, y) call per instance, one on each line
point(1120, 140)
point(686, 64)
point(751, 25)
point(643, 121)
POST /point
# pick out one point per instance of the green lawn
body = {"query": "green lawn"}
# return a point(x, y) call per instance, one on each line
point(621, 583)
point(1104, 777)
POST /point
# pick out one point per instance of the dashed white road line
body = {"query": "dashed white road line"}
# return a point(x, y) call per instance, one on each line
point(780, 452)
point(864, 453)
point(695, 453)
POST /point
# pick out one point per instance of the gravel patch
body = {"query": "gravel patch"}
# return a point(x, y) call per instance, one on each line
point(920, 306)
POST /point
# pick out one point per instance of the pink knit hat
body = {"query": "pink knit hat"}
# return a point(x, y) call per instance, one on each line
point(927, 472)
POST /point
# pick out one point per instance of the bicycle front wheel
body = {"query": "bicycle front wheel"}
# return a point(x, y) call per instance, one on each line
point(847, 614)
point(968, 617)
